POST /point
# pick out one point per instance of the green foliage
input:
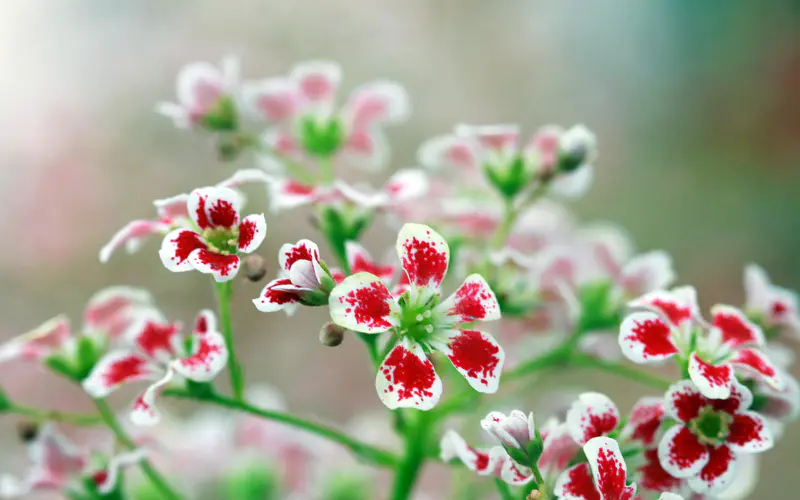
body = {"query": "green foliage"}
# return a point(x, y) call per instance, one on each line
point(5, 403)
point(347, 487)
point(254, 482)
point(509, 178)
point(321, 138)
point(223, 117)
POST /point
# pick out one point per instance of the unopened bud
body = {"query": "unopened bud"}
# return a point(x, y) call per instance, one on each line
point(27, 431)
point(331, 335)
point(578, 146)
point(255, 267)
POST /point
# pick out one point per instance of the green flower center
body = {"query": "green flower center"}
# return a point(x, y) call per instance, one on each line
point(418, 321)
point(222, 240)
point(711, 426)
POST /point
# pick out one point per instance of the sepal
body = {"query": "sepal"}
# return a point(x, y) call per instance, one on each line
point(321, 138)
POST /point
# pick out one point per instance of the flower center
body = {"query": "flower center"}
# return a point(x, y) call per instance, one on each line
point(222, 240)
point(711, 426)
point(418, 321)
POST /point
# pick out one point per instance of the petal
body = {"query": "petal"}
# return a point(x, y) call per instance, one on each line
point(474, 300)
point(483, 462)
point(206, 321)
point(106, 479)
point(176, 248)
point(714, 381)
point(499, 138)
point(449, 152)
point(739, 400)
point(117, 368)
point(156, 339)
point(749, 433)
point(406, 184)
point(543, 147)
point(222, 267)
point(285, 194)
point(222, 206)
point(274, 99)
point(249, 175)
point(424, 255)
point(514, 431)
point(645, 338)
point(53, 455)
point(252, 231)
point(303, 275)
point(574, 184)
point(274, 299)
point(515, 474)
point(377, 103)
point(406, 378)
point(576, 483)
point(39, 343)
point(199, 85)
point(317, 81)
point(735, 328)
point(359, 260)
point(645, 419)
point(718, 473)
point(681, 454)
point(282, 144)
point(608, 468)
point(302, 250)
point(683, 401)
point(757, 363)
point(209, 357)
point(173, 208)
point(559, 448)
point(111, 310)
point(132, 236)
point(366, 149)
point(362, 303)
point(144, 412)
point(477, 356)
point(647, 272)
point(592, 415)
point(678, 306)
point(651, 476)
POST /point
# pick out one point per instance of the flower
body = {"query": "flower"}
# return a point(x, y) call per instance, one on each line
point(302, 280)
point(406, 378)
point(673, 327)
point(709, 435)
point(214, 245)
point(58, 465)
point(603, 478)
point(38, 344)
point(157, 351)
point(303, 108)
point(592, 415)
point(112, 310)
point(516, 430)
point(770, 305)
point(206, 96)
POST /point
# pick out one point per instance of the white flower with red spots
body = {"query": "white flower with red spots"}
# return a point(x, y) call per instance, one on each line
point(57, 465)
point(421, 323)
point(492, 462)
point(710, 433)
point(157, 352)
point(206, 96)
point(302, 280)
point(770, 305)
point(219, 236)
point(675, 328)
point(603, 478)
point(303, 106)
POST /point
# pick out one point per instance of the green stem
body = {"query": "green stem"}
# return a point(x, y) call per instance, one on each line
point(369, 453)
point(58, 416)
point(503, 490)
point(510, 213)
point(152, 474)
point(416, 439)
point(224, 292)
point(326, 171)
point(629, 372)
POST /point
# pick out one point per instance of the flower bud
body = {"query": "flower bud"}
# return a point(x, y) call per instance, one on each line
point(578, 146)
point(331, 335)
point(27, 431)
point(255, 267)
point(517, 433)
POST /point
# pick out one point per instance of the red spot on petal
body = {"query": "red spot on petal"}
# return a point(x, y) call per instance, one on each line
point(653, 477)
point(202, 218)
point(688, 404)
point(686, 450)
point(413, 377)
point(124, 369)
point(362, 264)
point(424, 263)
point(779, 309)
point(296, 188)
point(475, 355)
point(370, 305)
point(471, 300)
point(714, 375)
point(204, 355)
point(157, 337)
point(718, 463)
point(745, 430)
point(280, 296)
point(675, 313)
point(655, 336)
point(100, 477)
point(580, 483)
point(201, 325)
point(247, 231)
point(186, 242)
point(646, 420)
point(223, 214)
point(299, 252)
point(754, 361)
point(734, 330)
point(219, 263)
point(611, 475)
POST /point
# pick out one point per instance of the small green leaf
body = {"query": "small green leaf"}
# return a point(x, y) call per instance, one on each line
point(321, 138)
point(223, 117)
point(5, 403)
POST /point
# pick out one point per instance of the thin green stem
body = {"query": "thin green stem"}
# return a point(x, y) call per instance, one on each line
point(326, 170)
point(416, 438)
point(503, 490)
point(628, 372)
point(224, 292)
point(57, 416)
point(510, 213)
point(107, 414)
point(364, 451)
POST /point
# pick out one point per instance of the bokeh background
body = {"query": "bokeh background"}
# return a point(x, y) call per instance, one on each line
point(696, 105)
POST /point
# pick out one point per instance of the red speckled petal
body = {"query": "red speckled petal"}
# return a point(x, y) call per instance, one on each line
point(132, 237)
point(576, 483)
point(683, 401)
point(112, 310)
point(206, 321)
point(221, 206)
point(515, 474)
point(749, 433)
point(735, 328)
point(196, 206)
point(117, 368)
point(285, 194)
point(645, 338)
point(406, 378)
point(156, 339)
point(718, 473)
point(653, 477)
point(477, 356)
point(176, 248)
point(302, 250)
point(222, 267)
point(424, 255)
point(757, 363)
point(359, 261)
point(473, 301)
point(740, 399)
point(645, 419)
point(362, 303)
point(144, 412)
point(277, 295)
point(678, 306)
point(714, 381)
point(608, 468)
point(209, 356)
point(681, 454)
point(252, 231)
point(592, 415)
point(559, 447)
point(482, 462)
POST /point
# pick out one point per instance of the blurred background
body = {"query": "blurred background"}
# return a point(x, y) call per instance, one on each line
point(696, 106)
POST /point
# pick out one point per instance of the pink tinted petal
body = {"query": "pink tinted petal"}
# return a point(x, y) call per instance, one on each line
point(132, 236)
point(56, 457)
point(515, 430)
point(406, 378)
point(39, 343)
point(474, 300)
point(156, 339)
point(678, 306)
point(317, 80)
point(559, 448)
point(250, 175)
point(645, 338)
point(377, 103)
point(209, 357)
point(681, 454)
point(500, 138)
point(739, 400)
point(359, 261)
point(302, 250)
point(407, 184)
point(252, 231)
point(117, 368)
point(274, 99)
point(477, 356)
point(144, 412)
point(424, 255)
point(757, 363)
point(199, 87)
point(222, 267)
point(173, 208)
point(645, 419)
point(608, 468)
point(222, 206)
point(714, 381)
point(450, 152)
point(592, 415)
point(362, 303)
point(718, 473)
point(647, 272)
point(111, 310)
point(483, 462)
point(282, 144)
point(543, 147)
point(106, 479)
point(366, 148)
point(683, 401)
point(303, 275)
point(286, 194)
point(736, 329)
point(576, 483)
point(274, 299)
point(176, 248)
point(653, 477)
point(197, 206)
point(749, 433)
